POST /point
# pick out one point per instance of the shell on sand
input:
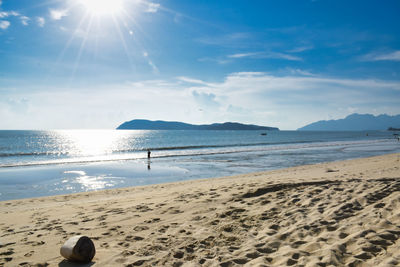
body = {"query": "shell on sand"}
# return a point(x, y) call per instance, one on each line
point(78, 248)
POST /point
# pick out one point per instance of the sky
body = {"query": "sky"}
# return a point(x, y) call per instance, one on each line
point(95, 64)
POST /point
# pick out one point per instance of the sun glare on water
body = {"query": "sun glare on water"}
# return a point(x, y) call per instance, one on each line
point(102, 7)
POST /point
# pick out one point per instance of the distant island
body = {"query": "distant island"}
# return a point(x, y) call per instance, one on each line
point(174, 125)
point(356, 122)
point(393, 129)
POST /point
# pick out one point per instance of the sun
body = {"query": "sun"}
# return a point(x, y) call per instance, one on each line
point(102, 7)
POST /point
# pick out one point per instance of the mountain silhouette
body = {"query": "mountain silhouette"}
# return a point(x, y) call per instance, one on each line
point(355, 122)
point(174, 125)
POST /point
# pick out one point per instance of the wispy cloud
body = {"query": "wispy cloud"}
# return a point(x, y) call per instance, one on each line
point(228, 40)
point(261, 55)
point(251, 55)
point(205, 100)
point(40, 21)
point(290, 99)
point(152, 7)
point(299, 72)
point(219, 60)
point(5, 14)
point(267, 82)
point(194, 81)
point(190, 80)
point(287, 101)
point(4, 24)
point(300, 49)
point(391, 56)
point(58, 14)
point(285, 56)
point(242, 55)
point(25, 20)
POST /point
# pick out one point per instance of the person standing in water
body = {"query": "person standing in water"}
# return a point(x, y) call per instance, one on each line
point(148, 159)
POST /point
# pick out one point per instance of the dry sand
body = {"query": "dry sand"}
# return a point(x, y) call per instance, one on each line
point(333, 214)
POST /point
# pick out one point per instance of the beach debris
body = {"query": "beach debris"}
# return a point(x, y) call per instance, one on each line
point(331, 170)
point(79, 249)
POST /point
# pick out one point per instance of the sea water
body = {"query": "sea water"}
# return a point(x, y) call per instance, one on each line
point(43, 163)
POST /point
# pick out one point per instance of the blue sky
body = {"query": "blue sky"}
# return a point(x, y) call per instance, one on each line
point(97, 63)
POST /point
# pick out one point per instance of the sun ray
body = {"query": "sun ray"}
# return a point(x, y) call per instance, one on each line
point(96, 12)
point(131, 19)
point(138, 28)
point(121, 36)
point(102, 7)
point(68, 44)
point(141, 46)
point(82, 46)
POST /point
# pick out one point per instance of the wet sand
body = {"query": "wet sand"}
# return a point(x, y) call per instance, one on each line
point(340, 213)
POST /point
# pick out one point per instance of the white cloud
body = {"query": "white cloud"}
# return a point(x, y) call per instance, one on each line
point(263, 55)
point(66, 108)
point(283, 56)
point(301, 49)
point(25, 20)
point(299, 72)
point(4, 24)
point(288, 101)
point(352, 109)
point(251, 55)
point(5, 14)
point(392, 56)
point(217, 60)
point(263, 82)
point(58, 14)
point(242, 55)
point(152, 7)
point(395, 56)
point(193, 81)
point(40, 21)
point(205, 100)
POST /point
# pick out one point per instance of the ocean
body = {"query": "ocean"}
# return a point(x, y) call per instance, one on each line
point(45, 163)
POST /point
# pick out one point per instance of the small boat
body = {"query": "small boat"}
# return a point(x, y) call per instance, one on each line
point(263, 133)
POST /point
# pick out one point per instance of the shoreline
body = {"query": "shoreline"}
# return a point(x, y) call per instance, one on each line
point(59, 179)
point(341, 212)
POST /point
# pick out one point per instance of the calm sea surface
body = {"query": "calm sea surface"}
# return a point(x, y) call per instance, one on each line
point(43, 163)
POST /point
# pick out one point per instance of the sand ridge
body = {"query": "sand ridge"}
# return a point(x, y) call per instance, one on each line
point(333, 214)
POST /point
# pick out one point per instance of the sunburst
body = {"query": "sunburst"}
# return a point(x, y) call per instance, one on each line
point(103, 7)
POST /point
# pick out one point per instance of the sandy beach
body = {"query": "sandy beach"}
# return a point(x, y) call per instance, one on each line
point(332, 214)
